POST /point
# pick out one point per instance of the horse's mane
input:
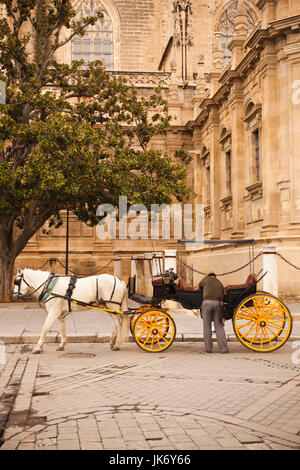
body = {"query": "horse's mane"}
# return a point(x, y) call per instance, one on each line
point(36, 271)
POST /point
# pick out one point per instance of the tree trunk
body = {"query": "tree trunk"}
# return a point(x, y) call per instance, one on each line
point(7, 263)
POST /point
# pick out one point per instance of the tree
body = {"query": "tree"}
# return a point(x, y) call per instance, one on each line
point(67, 131)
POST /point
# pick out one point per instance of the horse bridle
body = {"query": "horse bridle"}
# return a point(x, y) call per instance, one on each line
point(18, 282)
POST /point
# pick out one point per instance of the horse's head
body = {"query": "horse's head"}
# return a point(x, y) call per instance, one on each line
point(21, 285)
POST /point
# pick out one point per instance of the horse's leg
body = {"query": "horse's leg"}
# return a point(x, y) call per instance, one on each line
point(121, 332)
point(115, 338)
point(51, 317)
point(63, 337)
point(114, 333)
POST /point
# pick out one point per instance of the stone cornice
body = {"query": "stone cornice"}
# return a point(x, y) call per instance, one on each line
point(261, 3)
point(292, 22)
point(255, 43)
point(254, 111)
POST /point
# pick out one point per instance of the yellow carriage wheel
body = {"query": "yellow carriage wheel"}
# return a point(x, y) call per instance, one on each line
point(262, 322)
point(154, 330)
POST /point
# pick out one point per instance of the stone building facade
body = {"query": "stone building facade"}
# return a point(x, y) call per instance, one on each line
point(230, 70)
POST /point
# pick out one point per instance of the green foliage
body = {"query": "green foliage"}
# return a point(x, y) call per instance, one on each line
point(70, 135)
point(183, 156)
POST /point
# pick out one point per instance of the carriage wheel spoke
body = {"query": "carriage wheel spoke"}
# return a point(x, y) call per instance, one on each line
point(245, 335)
point(267, 336)
point(247, 311)
point(245, 324)
point(255, 336)
point(277, 326)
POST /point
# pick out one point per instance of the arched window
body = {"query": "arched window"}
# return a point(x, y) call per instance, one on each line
point(97, 44)
point(226, 25)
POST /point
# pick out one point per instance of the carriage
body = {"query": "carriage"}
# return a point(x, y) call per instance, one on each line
point(261, 321)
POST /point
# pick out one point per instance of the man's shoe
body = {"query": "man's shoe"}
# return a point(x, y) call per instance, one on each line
point(209, 352)
point(224, 352)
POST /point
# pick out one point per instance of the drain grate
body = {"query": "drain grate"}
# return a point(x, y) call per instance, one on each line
point(40, 394)
point(78, 355)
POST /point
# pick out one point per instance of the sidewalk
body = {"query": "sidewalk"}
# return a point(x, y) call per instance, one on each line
point(23, 322)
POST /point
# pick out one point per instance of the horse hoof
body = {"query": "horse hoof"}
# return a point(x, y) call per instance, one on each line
point(60, 348)
point(36, 351)
point(115, 348)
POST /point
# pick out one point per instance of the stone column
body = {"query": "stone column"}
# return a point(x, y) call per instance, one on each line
point(133, 268)
point(293, 53)
point(170, 260)
point(215, 173)
point(140, 281)
point(270, 280)
point(270, 123)
point(148, 292)
point(53, 267)
point(237, 161)
point(157, 264)
point(117, 267)
point(268, 11)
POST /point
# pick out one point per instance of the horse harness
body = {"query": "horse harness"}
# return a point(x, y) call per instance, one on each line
point(47, 293)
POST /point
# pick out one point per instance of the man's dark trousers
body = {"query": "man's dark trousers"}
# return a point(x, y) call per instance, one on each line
point(211, 312)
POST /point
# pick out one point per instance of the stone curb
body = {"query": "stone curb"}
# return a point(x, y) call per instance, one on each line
point(98, 338)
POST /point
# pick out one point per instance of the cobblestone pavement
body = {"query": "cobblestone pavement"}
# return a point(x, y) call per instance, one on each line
point(88, 397)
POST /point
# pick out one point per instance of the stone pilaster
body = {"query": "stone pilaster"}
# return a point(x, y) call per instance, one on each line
point(269, 139)
point(237, 159)
point(241, 30)
point(215, 173)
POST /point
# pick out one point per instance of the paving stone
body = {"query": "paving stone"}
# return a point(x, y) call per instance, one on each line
point(153, 434)
point(149, 399)
point(113, 444)
point(11, 444)
point(106, 433)
point(247, 438)
point(137, 445)
point(133, 436)
point(91, 446)
point(228, 442)
point(68, 444)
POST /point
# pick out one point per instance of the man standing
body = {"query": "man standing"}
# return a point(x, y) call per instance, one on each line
point(213, 292)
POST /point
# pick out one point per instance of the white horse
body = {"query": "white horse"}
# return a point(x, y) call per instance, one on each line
point(89, 289)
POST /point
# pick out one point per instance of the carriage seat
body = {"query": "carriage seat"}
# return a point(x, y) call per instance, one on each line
point(158, 280)
point(180, 286)
point(251, 279)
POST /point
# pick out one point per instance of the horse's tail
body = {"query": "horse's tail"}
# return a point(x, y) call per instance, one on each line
point(124, 334)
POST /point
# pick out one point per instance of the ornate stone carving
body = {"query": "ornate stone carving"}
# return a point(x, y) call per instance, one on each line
point(152, 79)
point(183, 37)
point(226, 26)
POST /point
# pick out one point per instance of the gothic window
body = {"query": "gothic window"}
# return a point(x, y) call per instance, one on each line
point(255, 137)
point(228, 171)
point(226, 27)
point(205, 158)
point(252, 120)
point(97, 44)
point(225, 142)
